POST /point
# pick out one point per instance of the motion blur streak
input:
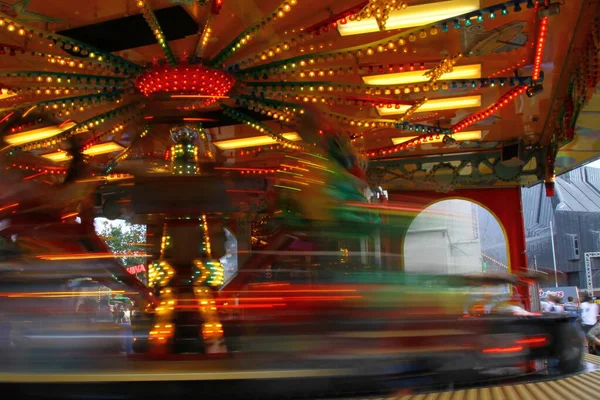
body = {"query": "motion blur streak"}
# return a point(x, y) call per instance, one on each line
point(9, 206)
point(515, 349)
point(88, 256)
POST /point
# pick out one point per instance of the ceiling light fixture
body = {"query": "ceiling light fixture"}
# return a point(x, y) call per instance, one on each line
point(253, 141)
point(412, 16)
point(534, 90)
point(448, 103)
point(459, 137)
point(6, 94)
point(102, 148)
point(472, 71)
point(34, 135)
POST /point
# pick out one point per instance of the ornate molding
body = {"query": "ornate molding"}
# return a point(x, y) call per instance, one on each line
point(445, 173)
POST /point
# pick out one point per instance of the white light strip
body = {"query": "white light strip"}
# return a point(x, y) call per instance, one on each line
point(412, 16)
point(460, 136)
point(447, 103)
point(472, 71)
point(253, 141)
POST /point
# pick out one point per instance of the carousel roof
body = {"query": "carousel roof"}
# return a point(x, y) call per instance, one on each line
point(431, 92)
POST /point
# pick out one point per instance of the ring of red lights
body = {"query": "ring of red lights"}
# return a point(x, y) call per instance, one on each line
point(189, 80)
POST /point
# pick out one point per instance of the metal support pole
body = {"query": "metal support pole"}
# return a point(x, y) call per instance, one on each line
point(553, 251)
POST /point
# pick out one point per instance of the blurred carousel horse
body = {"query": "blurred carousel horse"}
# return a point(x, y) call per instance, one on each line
point(42, 198)
point(335, 187)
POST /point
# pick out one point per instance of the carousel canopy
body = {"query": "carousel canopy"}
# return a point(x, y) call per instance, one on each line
point(435, 94)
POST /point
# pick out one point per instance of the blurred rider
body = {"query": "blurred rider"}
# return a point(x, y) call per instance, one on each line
point(552, 304)
point(589, 313)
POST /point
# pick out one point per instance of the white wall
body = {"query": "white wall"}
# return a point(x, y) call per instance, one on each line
point(444, 238)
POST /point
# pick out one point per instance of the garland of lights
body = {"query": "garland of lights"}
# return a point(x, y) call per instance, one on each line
point(156, 30)
point(49, 77)
point(259, 88)
point(388, 44)
point(53, 58)
point(308, 34)
point(85, 50)
point(247, 35)
point(539, 48)
point(239, 116)
point(444, 67)
point(112, 131)
point(432, 133)
point(380, 10)
point(206, 142)
point(75, 103)
point(126, 152)
point(413, 109)
point(205, 37)
point(478, 116)
point(45, 170)
point(81, 127)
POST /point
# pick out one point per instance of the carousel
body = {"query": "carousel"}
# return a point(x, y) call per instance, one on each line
point(201, 119)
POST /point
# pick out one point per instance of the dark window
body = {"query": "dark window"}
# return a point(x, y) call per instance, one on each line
point(573, 247)
point(596, 236)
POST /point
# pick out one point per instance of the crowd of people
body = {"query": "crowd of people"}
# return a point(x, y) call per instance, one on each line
point(587, 313)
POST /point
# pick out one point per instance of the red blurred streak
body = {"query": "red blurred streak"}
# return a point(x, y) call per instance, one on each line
point(270, 284)
point(64, 123)
point(73, 214)
point(6, 117)
point(540, 340)
point(148, 117)
point(9, 206)
point(334, 298)
point(496, 350)
point(232, 306)
point(199, 119)
point(250, 299)
point(300, 291)
point(33, 176)
point(245, 191)
point(254, 305)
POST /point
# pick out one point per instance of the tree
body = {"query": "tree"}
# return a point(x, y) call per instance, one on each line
point(123, 238)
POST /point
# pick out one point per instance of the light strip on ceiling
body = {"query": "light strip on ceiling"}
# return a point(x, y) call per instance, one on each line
point(253, 141)
point(58, 156)
point(5, 94)
point(412, 16)
point(448, 103)
point(34, 135)
point(460, 137)
point(102, 148)
point(472, 71)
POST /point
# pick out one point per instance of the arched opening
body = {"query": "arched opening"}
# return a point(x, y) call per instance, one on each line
point(230, 259)
point(456, 236)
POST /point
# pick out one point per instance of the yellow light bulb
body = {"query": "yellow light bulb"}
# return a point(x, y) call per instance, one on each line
point(10, 27)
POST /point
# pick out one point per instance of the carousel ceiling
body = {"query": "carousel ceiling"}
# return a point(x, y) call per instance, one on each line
point(408, 81)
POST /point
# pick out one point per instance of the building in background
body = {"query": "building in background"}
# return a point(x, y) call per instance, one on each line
point(572, 219)
point(455, 237)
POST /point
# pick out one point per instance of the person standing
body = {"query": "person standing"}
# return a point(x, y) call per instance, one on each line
point(571, 307)
point(589, 313)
